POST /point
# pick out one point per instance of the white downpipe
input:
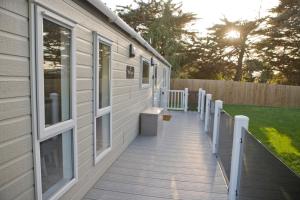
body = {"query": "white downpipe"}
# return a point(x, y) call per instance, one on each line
point(216, 129)
point(240, 122)
point(186, 99)
point(202, 104)
point(199, 99)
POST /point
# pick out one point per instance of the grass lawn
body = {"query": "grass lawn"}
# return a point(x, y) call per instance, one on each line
point(277, 128)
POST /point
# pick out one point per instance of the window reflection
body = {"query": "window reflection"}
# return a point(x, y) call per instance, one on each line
point(145, 78)
point(102, 133)
point(56, 49)
point(56, 162)
point(104, 61)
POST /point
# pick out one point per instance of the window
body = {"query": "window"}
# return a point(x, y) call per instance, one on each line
point(55, 104)
point(145, 73)
point(102, 77)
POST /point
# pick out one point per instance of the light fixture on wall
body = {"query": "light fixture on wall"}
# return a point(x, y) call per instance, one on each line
point(131, 51)
point(153, 62)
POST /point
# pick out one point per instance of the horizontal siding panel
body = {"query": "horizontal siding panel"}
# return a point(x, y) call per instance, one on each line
point(84, 59)
point(15, 148)
point(14, 107)
point(117, 99)
point(83, 33)
point(10, 87)
point(125, 82)
point(85, 167)
point(84, 96)
point(27, 195)
point(84, 71)
point(14, 128)
point(13, 45)
point(116, 74)
point(82, 133)
point(19, 7)
point(13, 23)
point(124, 59)
point(84, 108)
point(84, 84)
point(13, 66)
point(86, 155)
point(15, 168)
point(85, 144)
point(18, 186)
point(84, 120)
point(84, 46)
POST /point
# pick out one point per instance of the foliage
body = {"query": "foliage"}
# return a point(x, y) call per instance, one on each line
point(163, 25)
point(234, 49)
point(267, 50)
point(277, 128)
point(281, 46)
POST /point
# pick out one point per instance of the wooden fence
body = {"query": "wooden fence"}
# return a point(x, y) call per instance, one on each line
point(233, 92)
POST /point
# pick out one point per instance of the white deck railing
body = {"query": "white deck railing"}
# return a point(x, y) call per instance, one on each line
point(178, 99)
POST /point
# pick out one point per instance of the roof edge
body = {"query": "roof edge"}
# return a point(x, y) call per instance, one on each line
point(125, 27)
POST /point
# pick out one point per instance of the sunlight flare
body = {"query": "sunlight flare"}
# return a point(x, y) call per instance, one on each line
point(233, 34)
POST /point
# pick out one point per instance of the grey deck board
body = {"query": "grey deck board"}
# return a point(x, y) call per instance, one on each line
point(176, 164)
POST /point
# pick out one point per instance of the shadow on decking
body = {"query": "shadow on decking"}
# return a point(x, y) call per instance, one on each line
point(177, 164)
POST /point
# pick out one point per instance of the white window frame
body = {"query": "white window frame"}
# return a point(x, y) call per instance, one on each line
point(107, 110)
point(145, 85)
point(43, 133)
point(165, 71)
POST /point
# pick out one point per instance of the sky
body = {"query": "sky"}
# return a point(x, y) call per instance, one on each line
point(210, 12)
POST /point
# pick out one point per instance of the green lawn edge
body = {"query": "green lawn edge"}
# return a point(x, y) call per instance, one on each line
point(277, 128)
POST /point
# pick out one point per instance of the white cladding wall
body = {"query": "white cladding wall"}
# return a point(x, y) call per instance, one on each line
point(16, 157)
point(128, 99)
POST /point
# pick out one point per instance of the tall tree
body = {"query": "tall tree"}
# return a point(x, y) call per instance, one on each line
point(164, 25)
point(280, 47)
point(235, 38)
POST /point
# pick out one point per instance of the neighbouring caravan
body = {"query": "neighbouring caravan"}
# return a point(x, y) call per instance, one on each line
point(73, 79)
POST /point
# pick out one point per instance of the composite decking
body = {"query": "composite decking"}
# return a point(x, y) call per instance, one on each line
point(177, 164)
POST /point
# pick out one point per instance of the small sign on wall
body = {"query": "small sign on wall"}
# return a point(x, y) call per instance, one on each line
point(129, 72)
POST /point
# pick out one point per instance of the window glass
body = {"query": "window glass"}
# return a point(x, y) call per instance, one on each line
point(104, 62)
point(102, 133)
point(145, 78)
point(56, 49)
point(56, 162)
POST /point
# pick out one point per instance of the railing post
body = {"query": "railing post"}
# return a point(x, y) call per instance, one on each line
point(240, 122)
point(186, 98)
point(199, 99)
point(202, 104)
point(216, 129)
point(207, 111)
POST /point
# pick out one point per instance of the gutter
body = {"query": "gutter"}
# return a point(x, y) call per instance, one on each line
point(113, 18)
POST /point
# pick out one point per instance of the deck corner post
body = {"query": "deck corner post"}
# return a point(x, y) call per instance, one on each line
point(202, 104)
point(240, 122)
point(207, 111)
point(186, 98)
point(216, 128)
point(199, 99)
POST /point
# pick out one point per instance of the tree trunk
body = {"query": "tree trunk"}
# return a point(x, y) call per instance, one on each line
point(239, 68)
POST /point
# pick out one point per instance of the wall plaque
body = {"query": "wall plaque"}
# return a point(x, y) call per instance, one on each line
point(129, 72)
